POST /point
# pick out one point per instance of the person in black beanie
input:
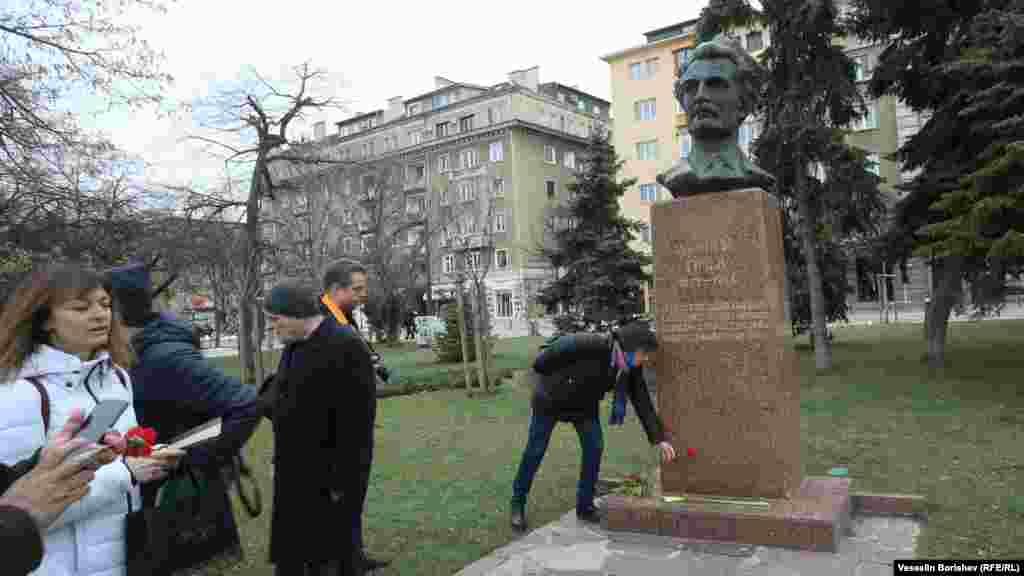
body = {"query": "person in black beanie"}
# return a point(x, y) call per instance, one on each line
point(318, 426)
point(176, 388)
point(571, 375)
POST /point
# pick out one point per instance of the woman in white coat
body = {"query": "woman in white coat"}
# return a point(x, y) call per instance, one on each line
point(59, 347)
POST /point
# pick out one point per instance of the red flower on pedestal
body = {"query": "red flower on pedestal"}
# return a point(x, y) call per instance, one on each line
point(140, 441)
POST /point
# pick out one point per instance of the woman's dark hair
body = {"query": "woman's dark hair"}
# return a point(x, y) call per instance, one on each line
point(29, 307)
point(637, 335)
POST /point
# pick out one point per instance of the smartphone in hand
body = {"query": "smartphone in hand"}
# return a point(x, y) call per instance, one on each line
point(98, 423)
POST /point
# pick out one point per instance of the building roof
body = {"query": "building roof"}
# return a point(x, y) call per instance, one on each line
point(656, 38)
point(358, 117)
point(576, 90)
point(671, 31)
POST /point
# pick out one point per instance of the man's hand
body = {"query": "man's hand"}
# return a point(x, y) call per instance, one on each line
point(156, 466)
point(53, 485)
point(668, 453)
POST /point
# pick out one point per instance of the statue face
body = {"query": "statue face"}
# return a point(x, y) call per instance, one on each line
point(712, 98)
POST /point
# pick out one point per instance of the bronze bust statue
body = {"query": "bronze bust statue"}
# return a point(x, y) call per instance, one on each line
point(718, 89)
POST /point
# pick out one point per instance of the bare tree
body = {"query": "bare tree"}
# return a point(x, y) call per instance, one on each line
point(251, 124)
point(471, 236)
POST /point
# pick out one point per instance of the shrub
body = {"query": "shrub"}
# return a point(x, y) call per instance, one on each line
point(448, 346)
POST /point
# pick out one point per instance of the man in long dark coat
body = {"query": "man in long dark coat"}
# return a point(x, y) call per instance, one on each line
point(319, 430)
point(345, 286)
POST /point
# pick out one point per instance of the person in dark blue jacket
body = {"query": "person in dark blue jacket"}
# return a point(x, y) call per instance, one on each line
point(571, 375)
point(176, 388)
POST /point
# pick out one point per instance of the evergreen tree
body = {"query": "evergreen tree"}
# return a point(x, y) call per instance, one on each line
point(809, 95)
point(448, 346)
point(964, 210)
point(598, 273)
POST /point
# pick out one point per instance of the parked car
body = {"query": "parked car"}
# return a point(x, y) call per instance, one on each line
point(427, 328)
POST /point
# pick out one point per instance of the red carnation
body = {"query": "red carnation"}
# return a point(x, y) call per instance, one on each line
point(140, 441)
point(691, 452)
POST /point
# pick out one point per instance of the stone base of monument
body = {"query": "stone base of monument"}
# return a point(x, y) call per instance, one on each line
point(816, 518)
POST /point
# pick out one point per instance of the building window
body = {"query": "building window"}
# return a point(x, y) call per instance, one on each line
point(569, 159)
point(643, 70)
point(597, 110)
point(647, 150)
point(473, 260)
point(648, 192)
point(346, 245)
point(561, 97)
point(870, 119)
point(440, 129)
point(873, 164)
point(364, 245)
point(416, 205)
point(503, 305)
point(645, 234)
point(439, 101)
point(549, 187)
point(467, 225)
point(466, 123)
point(581, 105)
point(467, 158)
point(499, 187)
point(415, 137)
point(499, 221)
point(348, 216)
point(497, 151)
point(549, 154)
point(493, 115)
point(467, 191)
point(681, 58)
point(861, 68)
point(685, 143)
point(414, 237)
point(645, 109)
point(501, 259)
point(444, 197)
point(448, 263)
point(755, 41)
point(413, 109)
point(442, 164)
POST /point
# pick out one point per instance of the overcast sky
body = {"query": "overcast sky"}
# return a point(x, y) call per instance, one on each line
point(374, 51)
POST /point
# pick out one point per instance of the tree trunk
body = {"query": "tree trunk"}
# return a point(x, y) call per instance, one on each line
point(478, 327)
point(218, 324)
point(460, 298)
point(946, 273)
point(251, 274)
point(260, 331)
point(819, 327)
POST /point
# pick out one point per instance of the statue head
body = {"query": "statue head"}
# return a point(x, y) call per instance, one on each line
point(718, 88)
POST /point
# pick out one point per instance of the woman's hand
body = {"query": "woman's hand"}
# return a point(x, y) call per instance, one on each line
point(668, 453)
point(156, 466)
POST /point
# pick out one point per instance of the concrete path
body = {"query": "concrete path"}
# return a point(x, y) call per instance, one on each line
point(568, 548)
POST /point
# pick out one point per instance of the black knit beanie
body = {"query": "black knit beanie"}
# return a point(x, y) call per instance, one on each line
point(130, 288)
point(293, 299)
point(637, 335)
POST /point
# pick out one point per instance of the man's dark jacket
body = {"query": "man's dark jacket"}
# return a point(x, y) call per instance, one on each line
point(322, 425)
point(177, 389)
point(575, 372)
point(20, 538)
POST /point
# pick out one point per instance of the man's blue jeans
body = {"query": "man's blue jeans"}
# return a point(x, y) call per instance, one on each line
point(591, 442)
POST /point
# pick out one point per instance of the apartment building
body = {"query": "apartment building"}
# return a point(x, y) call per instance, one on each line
point(651, 134)
point(465, 153)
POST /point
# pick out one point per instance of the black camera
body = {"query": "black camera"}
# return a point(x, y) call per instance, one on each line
point(380, 369)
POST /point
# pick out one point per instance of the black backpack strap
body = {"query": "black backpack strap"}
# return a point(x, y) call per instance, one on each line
point(45, 397)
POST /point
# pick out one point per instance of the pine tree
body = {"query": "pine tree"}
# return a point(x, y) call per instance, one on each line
point(964, 211)
point(809, 95)
point(598, 273)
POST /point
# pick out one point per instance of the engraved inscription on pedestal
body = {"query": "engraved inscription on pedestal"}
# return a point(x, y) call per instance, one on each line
point(726, 383)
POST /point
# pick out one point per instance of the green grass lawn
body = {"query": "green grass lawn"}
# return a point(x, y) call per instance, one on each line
point(444, 463)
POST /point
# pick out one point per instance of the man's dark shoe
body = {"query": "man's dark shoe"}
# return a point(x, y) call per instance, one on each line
point(371, 563)
point(519, 516)
point(591, 515)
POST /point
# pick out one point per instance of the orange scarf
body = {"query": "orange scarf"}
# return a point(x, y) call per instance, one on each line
point(333, 308)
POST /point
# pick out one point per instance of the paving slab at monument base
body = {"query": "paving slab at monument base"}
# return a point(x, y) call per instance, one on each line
point(568, 547)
